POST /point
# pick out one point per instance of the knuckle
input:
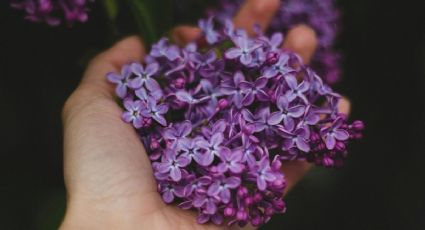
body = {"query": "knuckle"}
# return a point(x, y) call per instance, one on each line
point(302, 37)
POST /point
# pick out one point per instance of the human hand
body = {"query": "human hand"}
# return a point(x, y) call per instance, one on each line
point(108, 175)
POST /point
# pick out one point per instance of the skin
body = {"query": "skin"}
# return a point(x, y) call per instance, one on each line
point(108, 176)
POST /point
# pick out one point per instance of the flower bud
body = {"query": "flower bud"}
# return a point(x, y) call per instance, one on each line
point(358, 125)
point(223, 103)
point(272, 58)
point(327, 161)
point(257, 197)
point(241, 215)
point(248, 201)
point(179, 83)
point(242, 192)
point(340, 146)
point(256, 221)
point(229, 211)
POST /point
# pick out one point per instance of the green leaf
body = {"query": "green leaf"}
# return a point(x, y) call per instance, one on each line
point(111, 7)
point(144, 20)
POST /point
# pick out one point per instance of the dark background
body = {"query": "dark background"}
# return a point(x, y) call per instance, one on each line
point(382, 185)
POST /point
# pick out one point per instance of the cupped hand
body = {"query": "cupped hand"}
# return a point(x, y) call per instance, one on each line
point(108, 175)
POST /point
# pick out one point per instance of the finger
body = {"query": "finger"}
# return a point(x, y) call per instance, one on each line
point(94, 85)
point(125, 51)
point(302, 40)
point(256, 12)
point(252, 12)
point(294, 171)
point(185, 34)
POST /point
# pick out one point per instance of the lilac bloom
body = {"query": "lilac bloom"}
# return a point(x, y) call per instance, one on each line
point(263, 173)
point(172, 164)
point(289, 113)
point(247, 131)
point(333, 133)
point(243, 50)
point(221, 187)
point(216, 218)
point(190, 149)
point(207, 27)
point(254, 90)
point(169, 191)
point(177, 132)
point(203, 60)
point(248, 150)
point(134, 112)
point(230, 160)
point(299, 138)
point(156, 111)
point(121, 80)
point(198, 184)
point(280, 67)
point(144, 76)
point(218, 127)
point(274, 42)
point(296, 90)
point(142, 94)
point(161, 49)
point(259, 58)
point(263, 119)
point(207, 203)
point(233, 89)
point(212, 147)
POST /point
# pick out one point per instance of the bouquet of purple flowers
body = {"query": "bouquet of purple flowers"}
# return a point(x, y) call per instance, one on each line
point(218, 121)
point(321, 15)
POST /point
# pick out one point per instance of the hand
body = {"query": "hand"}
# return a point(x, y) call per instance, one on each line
point(108, 175)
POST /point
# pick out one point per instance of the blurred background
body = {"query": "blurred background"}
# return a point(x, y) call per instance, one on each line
point(382, 185)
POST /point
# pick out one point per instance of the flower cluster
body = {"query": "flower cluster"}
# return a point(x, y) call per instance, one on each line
point(48, 10)
point(321, 15)
point(218, 121)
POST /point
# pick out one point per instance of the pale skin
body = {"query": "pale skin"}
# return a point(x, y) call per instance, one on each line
point(108, 176)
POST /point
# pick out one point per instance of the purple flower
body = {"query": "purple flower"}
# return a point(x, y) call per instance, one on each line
point(207, 26)
point(254, 90)
point(203, 60)
point(49, 11)
point(233, 89)
point(198, 184)
point(177, 132)
point(161, 49)
point(231, 160)
point(231, 126)
point(121, 80)
point(333, 133)
point(289, 113)
point(218, 127)
point(296, 90)
point(280, 67)
point(156, 111)
point(212, 148)
point(263, 173)
point(172, 164)
point(221, 187)
point(207, 203)
point(191, 149)
point(169, 191)
point(263, 119)
point(143, 76)
point(243, 51)
point(134, 112)
point(298, 138)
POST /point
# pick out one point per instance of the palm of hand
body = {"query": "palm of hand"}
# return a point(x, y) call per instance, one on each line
point(110, 171)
